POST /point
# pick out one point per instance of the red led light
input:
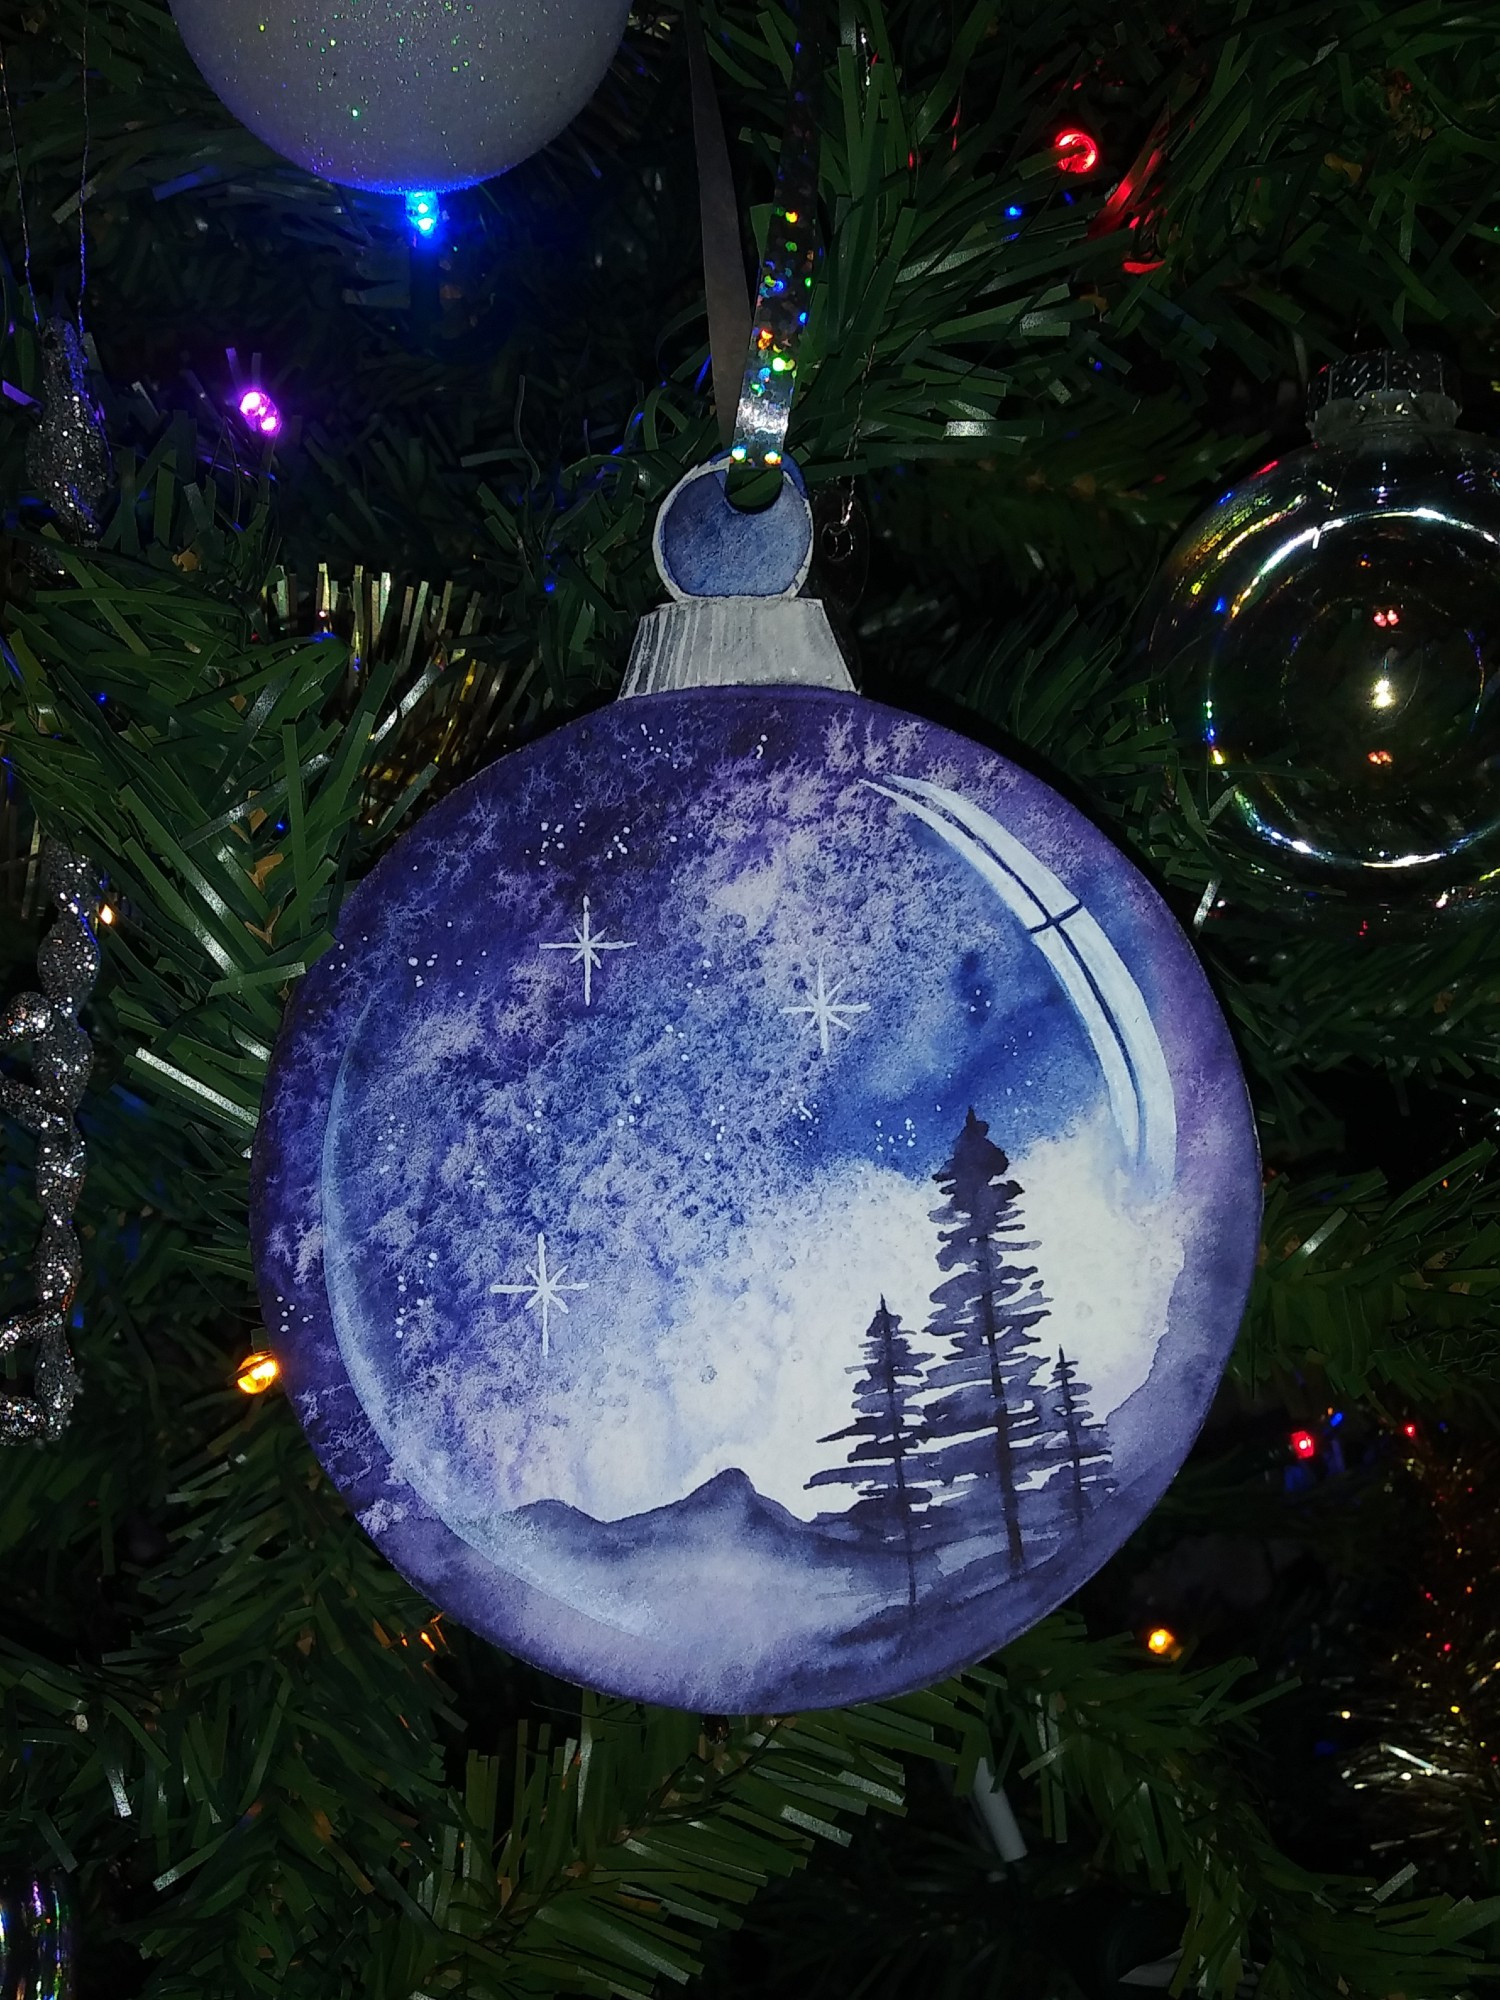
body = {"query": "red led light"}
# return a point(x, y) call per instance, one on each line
point(1390, 617)
point(1408, 1430)
point(1304, 1444)
point(1076, 152)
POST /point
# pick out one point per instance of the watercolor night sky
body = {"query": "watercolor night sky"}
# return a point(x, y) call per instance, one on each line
point(755, 1205)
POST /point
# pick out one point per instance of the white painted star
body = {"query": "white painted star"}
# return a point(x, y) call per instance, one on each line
point(543, 1290)
point(825, 1010)
point(584, 946)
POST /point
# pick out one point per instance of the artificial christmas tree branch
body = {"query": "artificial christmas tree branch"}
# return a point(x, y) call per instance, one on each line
point(209, 937)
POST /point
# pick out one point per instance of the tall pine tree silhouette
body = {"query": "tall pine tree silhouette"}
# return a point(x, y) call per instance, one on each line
point(888, 1427)
point(987, 1312)
point(1078, 1442)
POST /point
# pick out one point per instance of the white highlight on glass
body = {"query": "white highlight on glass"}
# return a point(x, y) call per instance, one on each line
point(1106, 999)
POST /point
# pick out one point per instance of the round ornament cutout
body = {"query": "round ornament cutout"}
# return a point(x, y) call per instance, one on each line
point(754, 1207)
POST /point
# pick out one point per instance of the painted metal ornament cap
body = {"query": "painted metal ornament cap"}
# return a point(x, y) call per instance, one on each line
point(754, 1208)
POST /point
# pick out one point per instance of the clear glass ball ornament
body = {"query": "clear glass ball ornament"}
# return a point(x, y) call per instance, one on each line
point(1329, 637)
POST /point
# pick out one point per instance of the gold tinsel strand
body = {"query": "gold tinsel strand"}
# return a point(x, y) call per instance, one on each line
point(457, 693)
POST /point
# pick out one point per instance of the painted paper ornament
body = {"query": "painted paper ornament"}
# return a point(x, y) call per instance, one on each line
point(754, 1207)
point(404, 96)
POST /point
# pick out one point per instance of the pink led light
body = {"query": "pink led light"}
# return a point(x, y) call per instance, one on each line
point(260, 412)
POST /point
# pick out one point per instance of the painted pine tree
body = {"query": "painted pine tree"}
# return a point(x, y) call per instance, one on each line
point(984, 1416)
point(888, 1427)
point(1079, 1444)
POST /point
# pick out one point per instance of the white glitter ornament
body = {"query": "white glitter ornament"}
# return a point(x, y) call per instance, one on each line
point(403, 95)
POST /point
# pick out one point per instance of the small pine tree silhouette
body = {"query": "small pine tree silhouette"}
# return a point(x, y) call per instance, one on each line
point(987, 1312)
point(1078, 1441)
point(888, 1426)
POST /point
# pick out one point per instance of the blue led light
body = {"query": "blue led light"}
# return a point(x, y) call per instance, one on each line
point(1336, 1419)
point(1015, 208)
point(423, 213)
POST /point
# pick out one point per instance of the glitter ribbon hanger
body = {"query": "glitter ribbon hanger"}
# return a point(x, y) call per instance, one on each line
point(786, 273)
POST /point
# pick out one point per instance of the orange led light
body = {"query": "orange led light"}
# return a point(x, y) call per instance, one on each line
point(1160, 1639)
point(257, 1373)
point(106, 913)
point(1380, 756)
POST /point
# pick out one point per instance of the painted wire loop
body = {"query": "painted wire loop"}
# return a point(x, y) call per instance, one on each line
point(46, 1022)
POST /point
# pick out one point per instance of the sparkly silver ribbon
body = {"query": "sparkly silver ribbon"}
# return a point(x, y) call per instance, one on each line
point(61, 1058)
point(786, 272)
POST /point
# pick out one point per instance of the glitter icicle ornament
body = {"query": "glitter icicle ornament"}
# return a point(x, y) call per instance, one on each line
point(46, 1023)
point(68, 461)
